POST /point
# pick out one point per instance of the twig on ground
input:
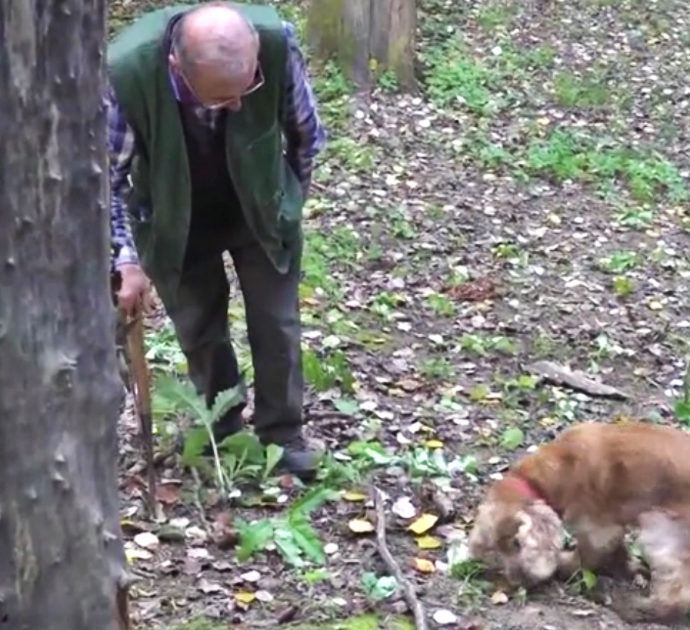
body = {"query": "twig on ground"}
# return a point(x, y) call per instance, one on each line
point(560, 375)
point(197, 500)
point(393, 566)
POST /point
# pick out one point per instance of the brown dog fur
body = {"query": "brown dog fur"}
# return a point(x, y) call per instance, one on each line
point(599, 480)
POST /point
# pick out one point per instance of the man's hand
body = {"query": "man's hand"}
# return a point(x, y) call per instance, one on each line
point(135, 288)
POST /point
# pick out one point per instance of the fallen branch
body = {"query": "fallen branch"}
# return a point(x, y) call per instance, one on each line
point(408, 590)
point(560, 375)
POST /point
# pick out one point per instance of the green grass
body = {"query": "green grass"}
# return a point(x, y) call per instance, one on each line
point(323, 253)
point(573, 91)
point(496, 15)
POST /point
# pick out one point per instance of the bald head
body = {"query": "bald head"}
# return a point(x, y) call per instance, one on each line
point(216, 37)
point(215, 47)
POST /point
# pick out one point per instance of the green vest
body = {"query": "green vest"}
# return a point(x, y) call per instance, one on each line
point(268, 190)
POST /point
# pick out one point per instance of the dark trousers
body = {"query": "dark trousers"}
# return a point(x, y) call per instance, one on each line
point(199, 312)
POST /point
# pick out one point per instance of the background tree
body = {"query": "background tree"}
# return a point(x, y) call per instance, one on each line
point(62, 565)
point(366, 37)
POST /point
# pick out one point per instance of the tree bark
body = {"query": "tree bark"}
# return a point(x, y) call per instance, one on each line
point(62, 563)
point(366, 37)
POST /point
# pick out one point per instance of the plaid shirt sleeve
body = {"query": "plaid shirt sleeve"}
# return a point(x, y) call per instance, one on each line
point(304, 132)
point(121, 152)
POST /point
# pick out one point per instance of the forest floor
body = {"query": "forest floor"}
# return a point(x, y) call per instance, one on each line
point(529, 204)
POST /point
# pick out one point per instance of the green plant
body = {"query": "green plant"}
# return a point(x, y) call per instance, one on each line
point(495, 14)
point(388, 81)
point(482, 345)
point(333, 91)
point(245, 458)
point(292, 535)
point(623, 286)
point(441, 305)
point(437, 368)
point(426, 463)
point(163, 350)
point(385, 303)
point(183, 397)
point(681, 406)
point(454, 77)
point(619, 262)
point(469, 572)
point(636, 217)
point(327, 370)
point(582, 581)
point(512, 438)
point(574, 91)
point(356, 156)
point(322, 252)
point(377, 588)
point(506, 250)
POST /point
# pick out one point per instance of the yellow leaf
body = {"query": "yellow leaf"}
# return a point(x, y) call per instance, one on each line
point(352, 495)
point(434, 444)
point(499, 598)
point(424, 566)
point(423, 524)
point(429, 542)
point(245, 597)
point(360, 526)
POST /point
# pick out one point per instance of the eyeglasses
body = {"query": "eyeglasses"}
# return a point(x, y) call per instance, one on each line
point(257, 83)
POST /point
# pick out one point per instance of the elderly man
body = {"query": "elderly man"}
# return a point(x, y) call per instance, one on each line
point(212, 116)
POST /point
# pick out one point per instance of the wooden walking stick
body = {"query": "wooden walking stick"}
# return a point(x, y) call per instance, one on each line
point(138, 381)
point(140, 384)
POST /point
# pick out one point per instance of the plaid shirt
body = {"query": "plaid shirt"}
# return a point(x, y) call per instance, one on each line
point(305, 137)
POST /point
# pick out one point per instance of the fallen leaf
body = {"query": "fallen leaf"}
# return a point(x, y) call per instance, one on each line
point(134, 553)
point(244, 597)
point(423, 565)
point(360, 526)
point(409, 385)
point(499, 598)
point(207, 587)
point(403, 508)
point(264, 596)
point(147, 540)
point(434, 444)
point(444, 617)
point(354, 496)
point(423, 524)
point(429, 542)
point(472, 291)
point(168, 494)
point(251, 576)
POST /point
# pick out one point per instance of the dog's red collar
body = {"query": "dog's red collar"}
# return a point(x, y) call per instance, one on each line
point(524, 487)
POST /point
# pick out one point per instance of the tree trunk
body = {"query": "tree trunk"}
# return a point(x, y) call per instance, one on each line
point(62, 563)
point(366, 37)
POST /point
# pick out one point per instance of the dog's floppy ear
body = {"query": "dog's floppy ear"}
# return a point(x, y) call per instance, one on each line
point(539, 526)
point(538, 541)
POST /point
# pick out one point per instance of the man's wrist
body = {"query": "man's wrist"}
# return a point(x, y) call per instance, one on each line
point(126, 256)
